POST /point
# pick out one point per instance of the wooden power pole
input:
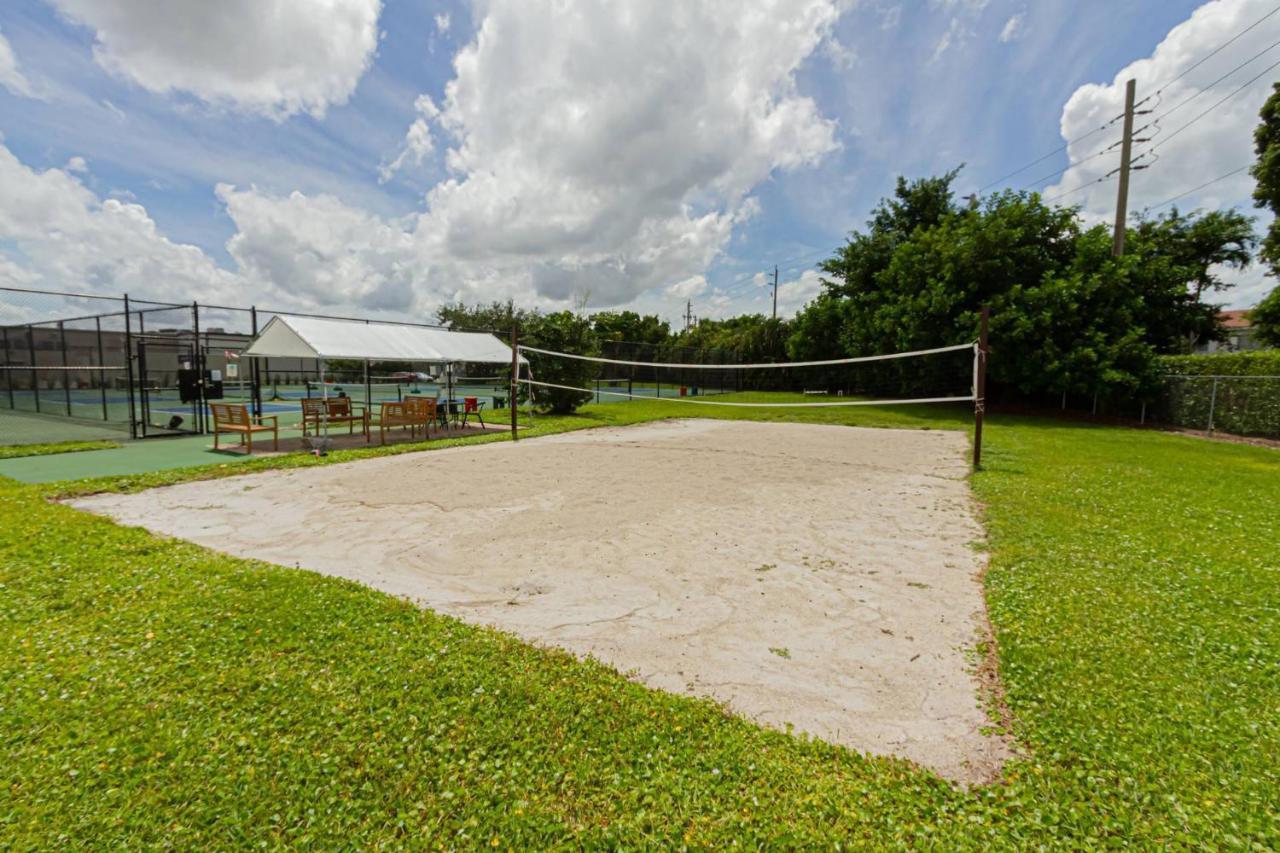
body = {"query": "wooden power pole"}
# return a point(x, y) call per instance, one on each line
point(1126, 152)
point(775, 291)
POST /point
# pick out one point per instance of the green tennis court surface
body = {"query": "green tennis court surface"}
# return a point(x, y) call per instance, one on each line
point(25, 428)
point(132, 457)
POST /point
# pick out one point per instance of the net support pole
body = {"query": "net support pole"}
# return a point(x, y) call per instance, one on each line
point(515, 373)
point(980, 385)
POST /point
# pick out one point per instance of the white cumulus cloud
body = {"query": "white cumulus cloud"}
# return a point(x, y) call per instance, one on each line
point(67, 238)
point(595, 151)
point(611, 147)
point(277, 57)
point(322, 251)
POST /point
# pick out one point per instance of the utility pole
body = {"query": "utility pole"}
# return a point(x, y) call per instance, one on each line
point(775, 291)
point(688, 315)
point(1126, 151)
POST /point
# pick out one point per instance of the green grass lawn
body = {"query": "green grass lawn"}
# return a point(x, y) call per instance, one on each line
point(155, 693)
point(19, 451)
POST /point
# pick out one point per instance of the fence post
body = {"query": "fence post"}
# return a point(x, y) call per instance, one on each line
point(35, 373)
point(102, 362)
point(66, 374)
point(128, 365)
point(8, 373)
point(1213, 402)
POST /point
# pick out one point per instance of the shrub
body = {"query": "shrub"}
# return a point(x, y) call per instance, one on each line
point(1193, 398)
point(562, 332)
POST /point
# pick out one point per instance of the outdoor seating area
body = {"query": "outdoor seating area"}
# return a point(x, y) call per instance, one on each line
point(415, 418)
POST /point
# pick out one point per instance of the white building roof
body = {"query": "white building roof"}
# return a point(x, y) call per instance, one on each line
point(315, 337)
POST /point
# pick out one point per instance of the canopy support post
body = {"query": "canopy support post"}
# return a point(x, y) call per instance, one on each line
point(515, 373)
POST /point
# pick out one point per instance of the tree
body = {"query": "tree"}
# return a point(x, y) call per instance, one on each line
point(1265, 318)
point(1172, 260)
point(1266, 144)
point(632, 327)
point(565, 332)
point(495, 317)
point(1066, 316)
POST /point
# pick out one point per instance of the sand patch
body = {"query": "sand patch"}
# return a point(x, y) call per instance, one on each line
point(818, 576)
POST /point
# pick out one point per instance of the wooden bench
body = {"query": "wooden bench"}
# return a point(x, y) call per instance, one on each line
point(424, 409)
point(336, 410)
point(413, 412)
point(232, 418)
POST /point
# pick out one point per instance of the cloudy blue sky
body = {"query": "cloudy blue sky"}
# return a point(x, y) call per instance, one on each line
point(384, 157)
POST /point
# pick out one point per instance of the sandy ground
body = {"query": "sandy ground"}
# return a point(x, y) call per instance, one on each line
point(818, 576)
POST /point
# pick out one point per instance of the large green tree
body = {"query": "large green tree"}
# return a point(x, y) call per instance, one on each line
point(496, 317)
point(1266, 171)
point(1172, 259)
point(1266, 143)
point(631, 327)
point(1066, 316)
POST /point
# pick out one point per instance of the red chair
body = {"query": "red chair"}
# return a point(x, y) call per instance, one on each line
point(472, 406)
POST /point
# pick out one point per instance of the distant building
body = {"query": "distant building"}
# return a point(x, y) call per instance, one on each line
point(1239, 332)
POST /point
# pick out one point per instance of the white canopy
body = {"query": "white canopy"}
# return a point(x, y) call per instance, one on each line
point(314, 337)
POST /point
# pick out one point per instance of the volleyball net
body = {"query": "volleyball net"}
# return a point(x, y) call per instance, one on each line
point(939, 375)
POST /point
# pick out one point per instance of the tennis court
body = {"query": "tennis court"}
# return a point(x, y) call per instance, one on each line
point(823, 578)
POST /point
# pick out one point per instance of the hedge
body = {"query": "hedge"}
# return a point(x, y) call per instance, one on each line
point(1247, 406)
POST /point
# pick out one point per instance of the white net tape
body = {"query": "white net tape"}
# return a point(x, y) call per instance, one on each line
point(884, 401)
point(763, 366)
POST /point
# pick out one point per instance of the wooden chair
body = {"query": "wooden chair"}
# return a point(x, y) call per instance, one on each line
point(337, 410)
point(231, 418)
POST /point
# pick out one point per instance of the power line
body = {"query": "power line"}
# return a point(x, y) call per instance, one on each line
point(1155, 94)
point(1080, 188)
point(1210, 86)
point(1058, 150)
point(1211, 54)
point(1216, 104)
point(1054, 174)
point(1232, 173)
